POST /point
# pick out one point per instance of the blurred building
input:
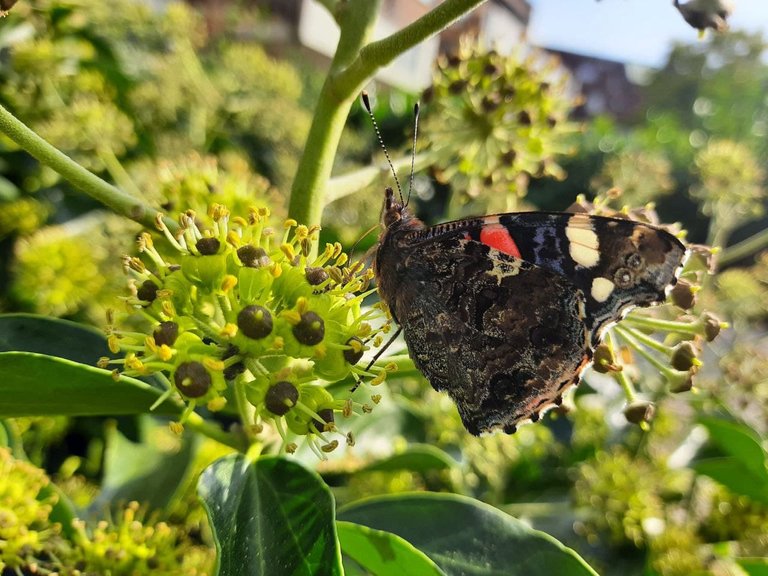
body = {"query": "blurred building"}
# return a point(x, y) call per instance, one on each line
point(605, 85)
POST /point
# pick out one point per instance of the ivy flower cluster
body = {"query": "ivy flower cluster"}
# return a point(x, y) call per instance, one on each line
point(670, 337)
point(243, 313)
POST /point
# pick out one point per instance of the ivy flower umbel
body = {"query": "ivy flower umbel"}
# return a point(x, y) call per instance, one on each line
point(669, 338)
point(239, 310)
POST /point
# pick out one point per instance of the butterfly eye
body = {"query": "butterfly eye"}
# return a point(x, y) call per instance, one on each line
point(623, 278)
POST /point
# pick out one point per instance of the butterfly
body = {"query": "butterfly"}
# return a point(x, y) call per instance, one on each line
point(503, 312)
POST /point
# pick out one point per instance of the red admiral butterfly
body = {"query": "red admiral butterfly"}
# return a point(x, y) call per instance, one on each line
point(503, 312)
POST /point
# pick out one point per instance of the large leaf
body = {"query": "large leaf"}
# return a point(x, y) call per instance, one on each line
point(52, 336)
point(734, 475)
point(369, 551)
point(466, 537)
point(739, 441)
point(39, 385)
point(141, 471)
point(417, 458)
point(270, 517)
point(754, 566)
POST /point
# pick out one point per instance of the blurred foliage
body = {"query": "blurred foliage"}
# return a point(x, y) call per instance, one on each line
point(494, 121)
point(148, 100)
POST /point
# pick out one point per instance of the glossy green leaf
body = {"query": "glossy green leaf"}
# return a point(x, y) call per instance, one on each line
point(754, 566)
point(270, 517)
point(464, 536)
point(739, 441)
point(39, 385)
point(141, 471)
point(734, 475)
point(368, 551)
point(417, 458)
point(52, 336)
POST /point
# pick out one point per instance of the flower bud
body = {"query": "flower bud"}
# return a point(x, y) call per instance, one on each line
point(147, 291)
point(310, 330)
point(683, 294)
point(208, 246)
point(685, 356)
point(640, 411)
point(281, 397)
point(166, 333)
point(253, 256)
point(192, 379)
point(255, 322)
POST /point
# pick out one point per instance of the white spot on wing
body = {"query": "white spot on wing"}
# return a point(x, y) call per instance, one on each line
point(584, 245)
point(601, 289)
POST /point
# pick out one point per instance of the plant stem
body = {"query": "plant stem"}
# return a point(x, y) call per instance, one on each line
point(353, 64)
point(346, 184)
point(744, 248)
point(198, 424)
point(85, 181)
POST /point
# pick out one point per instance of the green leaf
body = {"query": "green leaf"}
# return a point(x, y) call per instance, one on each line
point(417, 458)
point(39, 385)
point(464, 536)
point(739, 441)
point(734, 475)
point(754, 566)
point(270, 517)
point(381, 553)
point(141, 471)
point(52, 336)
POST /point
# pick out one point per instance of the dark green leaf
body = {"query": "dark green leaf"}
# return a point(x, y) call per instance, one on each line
point(52, 336)
point(39, 385)
point(141, 471)
point(417, 458)
point(754, 566)
point(741, 442)
point(381, 553)
point(734, 475)
point(270, 517)
point(465, 536)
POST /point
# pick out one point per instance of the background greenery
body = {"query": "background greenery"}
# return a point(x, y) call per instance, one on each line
point(152, 103)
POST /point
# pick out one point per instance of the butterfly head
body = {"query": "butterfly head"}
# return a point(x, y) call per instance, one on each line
point(394, 210)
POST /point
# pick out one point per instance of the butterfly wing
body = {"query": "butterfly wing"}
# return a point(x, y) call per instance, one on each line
point(616, 263)
point(502, 337)
point(502, 311)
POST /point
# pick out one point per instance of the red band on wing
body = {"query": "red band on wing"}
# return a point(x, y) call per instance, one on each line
point(498, 237)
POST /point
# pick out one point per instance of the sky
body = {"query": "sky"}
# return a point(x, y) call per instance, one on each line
point(633, 31)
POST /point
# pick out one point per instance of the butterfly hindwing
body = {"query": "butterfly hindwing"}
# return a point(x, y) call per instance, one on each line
point(501, 336)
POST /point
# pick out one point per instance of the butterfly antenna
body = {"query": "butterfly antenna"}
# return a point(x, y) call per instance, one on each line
point(413, 151)
point(367, 104)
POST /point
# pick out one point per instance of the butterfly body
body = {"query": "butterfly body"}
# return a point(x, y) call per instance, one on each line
point(502, 312)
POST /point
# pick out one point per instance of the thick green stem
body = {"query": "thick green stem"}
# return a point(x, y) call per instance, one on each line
point(353, 64)
point(346, 184)
point(743, 249)
point(85, 181)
